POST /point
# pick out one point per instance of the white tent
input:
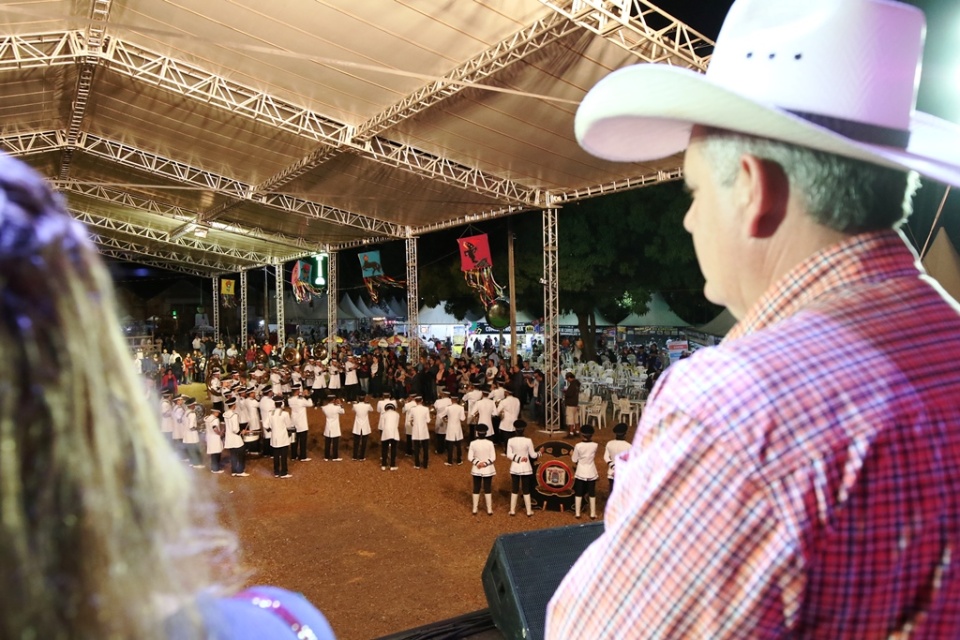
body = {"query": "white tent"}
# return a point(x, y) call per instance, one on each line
point(658, 314)
point(436, 315)
point(302, 312)
point(364, 309)
point(569, 319)
point(346, 310)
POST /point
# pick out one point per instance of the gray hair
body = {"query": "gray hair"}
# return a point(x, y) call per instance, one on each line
point(847, 195)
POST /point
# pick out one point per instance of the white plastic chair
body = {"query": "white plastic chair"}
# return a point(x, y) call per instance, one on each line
point(598, 411)
point(626, 411)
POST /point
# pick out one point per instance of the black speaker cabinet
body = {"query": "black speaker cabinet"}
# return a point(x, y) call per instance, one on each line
point(524, 569)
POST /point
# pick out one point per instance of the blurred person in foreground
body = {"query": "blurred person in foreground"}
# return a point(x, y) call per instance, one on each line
point(96, 538)
point(798, 480)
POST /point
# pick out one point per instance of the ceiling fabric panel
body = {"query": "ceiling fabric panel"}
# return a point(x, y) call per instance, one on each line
point(226, 132)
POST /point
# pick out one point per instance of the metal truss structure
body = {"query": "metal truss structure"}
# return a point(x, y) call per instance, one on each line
point(413, 296)
point(281, 330)
point(216, 309)
point(244, 302)
point(551, 315)
point(641, 28)
point(332, 296)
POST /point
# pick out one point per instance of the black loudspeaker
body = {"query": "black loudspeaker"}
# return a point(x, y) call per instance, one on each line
point(523, 571)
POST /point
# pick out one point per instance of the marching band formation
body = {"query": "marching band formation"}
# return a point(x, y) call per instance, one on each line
point(264, 410)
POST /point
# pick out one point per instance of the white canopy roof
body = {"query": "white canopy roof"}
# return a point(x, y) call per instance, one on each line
point(658, 314)
point(280, 129)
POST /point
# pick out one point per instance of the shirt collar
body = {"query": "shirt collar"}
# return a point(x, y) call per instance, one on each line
point(873, 256)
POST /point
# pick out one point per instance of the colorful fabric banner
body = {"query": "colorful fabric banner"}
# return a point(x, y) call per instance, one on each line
point(300, 280)
point(227, 298)
point(373, 276)
point(475, 253)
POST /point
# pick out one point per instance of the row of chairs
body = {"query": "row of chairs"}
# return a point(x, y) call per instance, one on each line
point(624, 410)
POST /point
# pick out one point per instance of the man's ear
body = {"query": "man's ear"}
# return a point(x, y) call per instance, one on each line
point(763, 192)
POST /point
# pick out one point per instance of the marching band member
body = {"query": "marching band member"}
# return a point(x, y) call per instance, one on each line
point(440, 421)
point(614, 448)
point(267, 405)
point(389, 436)
point(509, 411)
point(471, 397)
point(319, 382)
point(233, 440)
point(334, 370)
point(361, 428)
point(454, 416)
point(279, 427)
point(286, 381)
point(351, 384)
point(482, 455)
point(166, 414)
point(214, 432)
point(331, 430)
point(298, 416)
point(420, 432)
point(191, 435)
point(585, 479)
point(276, 382)
point(214, 389)
point(253, 414)
point(483, 410)
point(522, 454)
point(179, 424)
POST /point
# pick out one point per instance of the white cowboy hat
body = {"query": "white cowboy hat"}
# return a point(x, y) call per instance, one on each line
point(837, 76)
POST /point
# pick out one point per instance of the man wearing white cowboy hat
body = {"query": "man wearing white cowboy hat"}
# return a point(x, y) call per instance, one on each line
point(798, 479)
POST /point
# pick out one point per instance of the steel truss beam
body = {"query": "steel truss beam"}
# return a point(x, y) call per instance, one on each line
point(243, 311)
point(413, 299)
point(332, 297)
point(625, 184)
point(41, 49)
point(183, 173)
point(129, 256)
point(216, 309)
point(551, 314)
point(99, 13)
point(191, 243)
point(130, 247)
point(281, 330)
point(501, 55)
point(173, 212)
point(641, 28)
point(33, 142)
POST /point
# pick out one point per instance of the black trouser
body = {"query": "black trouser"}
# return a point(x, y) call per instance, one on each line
point(588, 487)
point(331, 447)
point(487, 482)
point(409, 445)
point(301, 446)
point(611, 486)
point(280, 461)
point(386, 445)
point(441, 443)
point(265, 447)
point(215, 462)
point(524, 481)
point(238, 460)
point(418, 447)
point(360, 446)
point(505, 437)
point(459, 446)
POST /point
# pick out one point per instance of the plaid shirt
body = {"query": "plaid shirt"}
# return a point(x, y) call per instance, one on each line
point(801, 479)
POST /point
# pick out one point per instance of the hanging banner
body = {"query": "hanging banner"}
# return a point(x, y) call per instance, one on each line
point(300, 280)
point(227, 298)
point(373, 277)
point(475, 253)
point(477, 266)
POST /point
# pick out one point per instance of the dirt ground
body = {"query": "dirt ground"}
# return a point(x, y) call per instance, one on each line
point(378, 552)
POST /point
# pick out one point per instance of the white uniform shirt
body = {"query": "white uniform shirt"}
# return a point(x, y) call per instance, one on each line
point(243, 410)
point(482, 452)
point(518, 448)
point(332, 412)
point(584, 456)
point(498, 394)
point(267, 405)
point(471, 397)
point(351, 377)
point(390, 425)
point(166, 416)
point(334, 371)
point(456, 416)
point(275, 383)
point(509, 410)
point(613, 449)
point(319, 377)
point(484, 409)
point(214, 439)
point(231, 436)
point(440, 412)
point(178, 421)
point(361, 420)
point(420, 422)
point(381, 404)
point(190, 433)
point(253, 413)
point(298, 411)
point(279, 428)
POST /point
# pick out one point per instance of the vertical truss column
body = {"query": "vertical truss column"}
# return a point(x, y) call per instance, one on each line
point(281, 333)
point(551, 313)
point(332, 296)
point(243, 314)
point(216, 310)
point(413, 298)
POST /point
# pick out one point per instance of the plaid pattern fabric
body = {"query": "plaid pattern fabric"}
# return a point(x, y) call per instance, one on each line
point(802, 479)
